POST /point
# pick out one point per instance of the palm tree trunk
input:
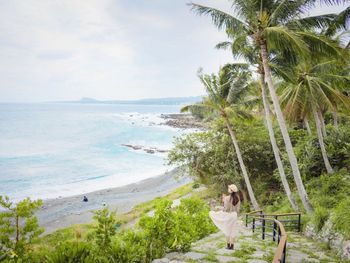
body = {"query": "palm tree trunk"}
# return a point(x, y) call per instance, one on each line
point(280, 118)
point(335, 119)
point(275, 146)
point(323, 125)
point(321, 142)
point(242, 165)
point(307, 125)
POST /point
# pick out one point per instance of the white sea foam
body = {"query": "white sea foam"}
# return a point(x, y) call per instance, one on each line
point(48, 151)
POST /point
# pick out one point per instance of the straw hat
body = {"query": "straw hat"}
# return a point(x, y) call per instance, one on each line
point(232, 188)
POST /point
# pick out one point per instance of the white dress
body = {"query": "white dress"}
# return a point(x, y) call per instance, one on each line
point(226, 220)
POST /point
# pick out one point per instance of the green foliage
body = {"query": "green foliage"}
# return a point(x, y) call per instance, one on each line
point(194, 212)
point(211, 159)
point(105, 229)
point(100, 242)
point(72, 252)
point(19, 227)
point(320, 217)
point(158, 229)
point(341, 219)
point(130, 246)
point(211, 163)
point(309, 155)
point(328, 190)
point(330, 194)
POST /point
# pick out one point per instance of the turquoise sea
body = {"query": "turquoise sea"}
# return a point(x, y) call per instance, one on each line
point(50, 150)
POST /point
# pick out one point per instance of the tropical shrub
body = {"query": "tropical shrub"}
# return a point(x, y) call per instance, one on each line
point(328, 190)
point(72, 252)
point(341, 218)
point(157, 229)
point(105, 229)
point(19, 227)
point(211, 159)
point(194, 212)
point(130, 246)
point(320, 216)
point(309, 154)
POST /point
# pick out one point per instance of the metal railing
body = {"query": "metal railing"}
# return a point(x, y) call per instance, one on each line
point(277, 223)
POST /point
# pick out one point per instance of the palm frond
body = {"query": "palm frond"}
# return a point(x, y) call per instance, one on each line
point(319, 44)
point(281, 39)
point(220, 18)
point(223, 45)
point(284, 11)
point(312, 22)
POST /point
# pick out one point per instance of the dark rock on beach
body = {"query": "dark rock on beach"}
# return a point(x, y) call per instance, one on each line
point(183, 121)
point(150, 150)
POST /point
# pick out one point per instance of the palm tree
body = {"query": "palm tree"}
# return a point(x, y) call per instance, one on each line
point(275, 25)
point(224, 95)
point(247, 53)
point(311, 88)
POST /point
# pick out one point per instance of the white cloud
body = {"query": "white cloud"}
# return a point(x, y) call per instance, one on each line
point(107, 49)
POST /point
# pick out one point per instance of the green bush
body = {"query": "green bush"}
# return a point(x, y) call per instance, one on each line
point(194, 212)
point(105, 229)
point(130, 246)
point(328, 190)
point(168, 229)
point(19, 227)
point(158, 228)
point(211, 159)
point(320, 217)
point(309, 155)
point(341, 218)
point(72, 252)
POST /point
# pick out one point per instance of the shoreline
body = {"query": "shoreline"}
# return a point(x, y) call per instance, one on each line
point(66, 211)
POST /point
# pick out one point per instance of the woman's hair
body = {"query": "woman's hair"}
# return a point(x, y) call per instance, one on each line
point(234, 198)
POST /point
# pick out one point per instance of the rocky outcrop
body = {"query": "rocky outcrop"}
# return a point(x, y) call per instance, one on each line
point(336, 241)
point(150, 150)
point(183, 121)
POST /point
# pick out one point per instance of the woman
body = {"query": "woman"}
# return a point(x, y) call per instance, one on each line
point(226, 220)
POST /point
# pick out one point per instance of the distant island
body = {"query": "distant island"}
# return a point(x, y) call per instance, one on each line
point(151, 101)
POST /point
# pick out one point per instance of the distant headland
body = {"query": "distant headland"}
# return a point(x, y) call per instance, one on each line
point(150, 101)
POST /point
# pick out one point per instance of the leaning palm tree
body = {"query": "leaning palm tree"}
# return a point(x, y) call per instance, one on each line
point(242, 49)
point(275, 25)
point(310, 89)
point(224, 94)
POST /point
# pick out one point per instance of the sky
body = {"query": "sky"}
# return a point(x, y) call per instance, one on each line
point(53, 50)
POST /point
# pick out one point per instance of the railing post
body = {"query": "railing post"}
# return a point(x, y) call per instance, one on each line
point(284, 253)
point(263, 227)
point(246, 220)
point(274, 230)
point(299, 223)
point(253, 225)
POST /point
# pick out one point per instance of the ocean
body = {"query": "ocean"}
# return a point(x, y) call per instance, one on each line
point(52, 150)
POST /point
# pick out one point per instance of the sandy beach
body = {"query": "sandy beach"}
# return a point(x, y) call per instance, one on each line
point(63, 212)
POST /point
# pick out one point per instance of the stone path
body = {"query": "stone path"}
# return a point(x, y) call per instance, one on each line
point(250, 248)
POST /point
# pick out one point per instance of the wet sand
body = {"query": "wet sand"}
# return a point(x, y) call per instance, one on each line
point(63, 212)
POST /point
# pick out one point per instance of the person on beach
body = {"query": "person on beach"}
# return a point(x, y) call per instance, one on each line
point(226, 220)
